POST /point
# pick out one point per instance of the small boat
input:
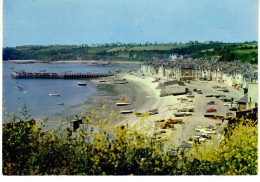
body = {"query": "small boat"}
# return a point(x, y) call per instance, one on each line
point(182, 114)
point(42, 71)
point(54, 94)
point(186, 110)
point(122, 103)
point(19, 88)
point(26, 92)
point(127, 111)
point(60, 103)
point(82, 83)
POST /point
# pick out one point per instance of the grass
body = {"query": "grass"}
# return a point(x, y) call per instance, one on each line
point(147, 48)
point(245, 51)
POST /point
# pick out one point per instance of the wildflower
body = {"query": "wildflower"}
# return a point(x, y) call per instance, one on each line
point(4, 108)
point(83, 103)
point(104, 106)
point(95, 100)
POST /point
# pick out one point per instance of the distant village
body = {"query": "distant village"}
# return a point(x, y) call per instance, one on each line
point(183, 68)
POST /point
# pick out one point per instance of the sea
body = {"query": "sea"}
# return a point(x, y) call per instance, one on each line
point(35, 94)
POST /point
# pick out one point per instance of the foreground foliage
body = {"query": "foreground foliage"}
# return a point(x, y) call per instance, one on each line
point(29, 149)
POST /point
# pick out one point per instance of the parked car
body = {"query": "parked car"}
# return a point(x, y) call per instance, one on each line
point(219, 89)
point(211, 110)
point(195, 90)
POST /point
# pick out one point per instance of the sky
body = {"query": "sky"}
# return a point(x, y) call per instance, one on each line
point(45, 22)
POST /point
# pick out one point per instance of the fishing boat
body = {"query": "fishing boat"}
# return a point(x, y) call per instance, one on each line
point(182, 114)
point(122, 103)
point(127, 111)
point(54, 94)
point(186, 110)
point(60, 103)
point(82, 83)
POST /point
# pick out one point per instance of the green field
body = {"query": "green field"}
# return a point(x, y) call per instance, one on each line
point(147, 48)
point(245, 51)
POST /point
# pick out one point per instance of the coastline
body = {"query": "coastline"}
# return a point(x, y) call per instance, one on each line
point(91, 62)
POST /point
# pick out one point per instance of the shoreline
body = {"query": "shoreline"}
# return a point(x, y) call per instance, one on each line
point(91, 62)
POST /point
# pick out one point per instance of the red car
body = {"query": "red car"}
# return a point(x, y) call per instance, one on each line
point(211, 110)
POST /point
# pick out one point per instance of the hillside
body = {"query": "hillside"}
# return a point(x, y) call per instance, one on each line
point(246, 52)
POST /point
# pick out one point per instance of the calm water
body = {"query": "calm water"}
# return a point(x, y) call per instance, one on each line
point(38, 101)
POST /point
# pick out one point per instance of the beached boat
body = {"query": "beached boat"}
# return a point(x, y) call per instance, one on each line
point(127, 111)
point(122, 103)
point(186, 110)
point(182, 114)
point(54, 94)
point(153, 111)
point(82, 83)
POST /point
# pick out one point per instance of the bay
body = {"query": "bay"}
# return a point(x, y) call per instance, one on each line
point(37, 100)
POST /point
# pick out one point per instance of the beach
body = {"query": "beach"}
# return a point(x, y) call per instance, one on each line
point(143, 96)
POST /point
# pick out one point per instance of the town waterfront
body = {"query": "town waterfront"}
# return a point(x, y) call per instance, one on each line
point(35, 94)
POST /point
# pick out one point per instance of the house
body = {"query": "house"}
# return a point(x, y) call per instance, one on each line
point(250, 99)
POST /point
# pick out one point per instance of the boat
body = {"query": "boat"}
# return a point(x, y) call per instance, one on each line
point(54, 94)
point(182, 114)
point(60, 103)
point(122, 103)
point(127, 111)
point(81, 83)
point(186, 110)
point(19, 88)
point(42, 71)
point(153, 111)
point(26, 92)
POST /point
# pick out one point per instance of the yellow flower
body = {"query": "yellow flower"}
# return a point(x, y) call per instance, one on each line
point(95, 100)
point(82, 103)
point(4, 108)
point(104, 106)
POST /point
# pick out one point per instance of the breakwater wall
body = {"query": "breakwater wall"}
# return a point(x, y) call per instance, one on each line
point(33, 75)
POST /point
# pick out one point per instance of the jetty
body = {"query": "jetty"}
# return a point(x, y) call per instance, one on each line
point(43, 75)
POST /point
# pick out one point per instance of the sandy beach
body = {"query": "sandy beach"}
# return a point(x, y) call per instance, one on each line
point(143, 96)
